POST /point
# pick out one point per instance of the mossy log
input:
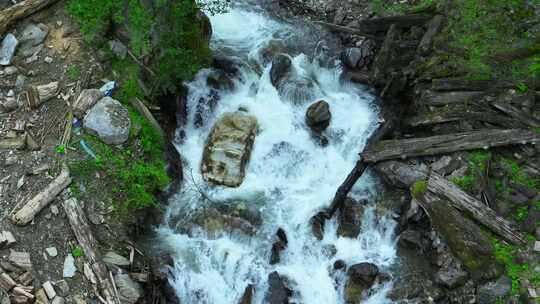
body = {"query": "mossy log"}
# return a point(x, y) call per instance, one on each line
point(384, 56)
point(383, 24)
point(460, 84)
point(432, 98)
point(517, 114)
point(433, 28)
point(442, 144)
point(21, 10)
point(451, 115)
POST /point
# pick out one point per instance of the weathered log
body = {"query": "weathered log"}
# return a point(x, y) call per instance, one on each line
point(359, 168)
point(345, 29)
point(21, 10)
point(517, 53)
point(517, 114)
point(469, 205)
point(405, 175)
point(460, 84)
point(445, 115)
point(383, 24)
point(27, 213)
point(433, 28)
point(88, 243)
point(39, 94)
point(384, 55)
point(432, 98)
point(13, 143)
point(441, 144)
point(143, 110)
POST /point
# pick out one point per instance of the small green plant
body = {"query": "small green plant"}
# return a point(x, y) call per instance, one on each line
point(465, 182)
point(522, 87)
point(73, 72)
point(77, 252)
point(522, 213)
point(60, 149)
point(419, 188)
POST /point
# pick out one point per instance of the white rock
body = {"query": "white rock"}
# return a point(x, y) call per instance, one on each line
point(48, 59)
point(69, 267)
point(537, 246)
point(7, 49)
point(52, 251)
point(110, 120)
point(10, 70)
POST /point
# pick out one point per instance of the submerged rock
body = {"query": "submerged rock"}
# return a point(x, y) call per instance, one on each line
point(317, 224)
point(228, 149)
point(350, 218)
point(279, 245)
point(214, 222)
point(248, 295)
point(318, 116)
point(110, 120)
point(278, 291)
point(7, 49)
point(281, 69)
point(361, 278)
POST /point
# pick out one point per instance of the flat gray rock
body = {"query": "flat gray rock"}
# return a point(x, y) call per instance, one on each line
point(109, 120)
point(129, 291)
point(113, 258)
point(7, 49)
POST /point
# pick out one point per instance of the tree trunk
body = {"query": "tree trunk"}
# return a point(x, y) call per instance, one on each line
point(27, 213)
point(21, 10)
point(442, 144)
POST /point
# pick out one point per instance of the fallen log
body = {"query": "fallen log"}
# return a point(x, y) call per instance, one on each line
point(460, 84)
point(143, 110)
point(442, 144)
point(517, 53)
point(88, 243)
point(450, 115)
point(444, 189)
point(384, 56)
point(379, 25)
point(433, 28)
point(432, 98)
point(345, 29)
point(27, 213)
point(359, 168)
point(21, 10)
point(469, 205)
point(517, 114)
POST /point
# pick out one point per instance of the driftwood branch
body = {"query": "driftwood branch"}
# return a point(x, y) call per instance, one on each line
point(345, 29)
point(86, 239)
point(27, 213)
point(143, 110)
point(442, 144)
point(21, 10)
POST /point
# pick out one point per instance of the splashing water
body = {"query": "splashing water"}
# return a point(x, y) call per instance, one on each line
point(290, 177)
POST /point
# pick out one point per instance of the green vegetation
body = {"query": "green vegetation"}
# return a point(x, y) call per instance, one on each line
point(391, 7)
point(522, 213)
point(506, 254)
point(77, 252)
point(182, 49)
point(60, 149)
point(419, 188)
point(477, 163)
point(517, 175)
point(73, 72)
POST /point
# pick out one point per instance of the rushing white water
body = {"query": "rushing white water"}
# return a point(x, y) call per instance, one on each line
point(290, 177)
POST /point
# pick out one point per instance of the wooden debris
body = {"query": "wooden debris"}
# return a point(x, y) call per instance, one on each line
point(20, 259)
point(85, 237)
point(18, 143)
point(27, 213)
point(39, 94)
point(451, 114)
point(460, 84)
point(7, 239)
point(49, 290)
point(358, 169)
point(383, 58)
point(465, 203)
point(140, 277)
point(6, 282)
point(383, 24)
point(143, 110)
point(89, 274)
point(433, 98)
point(25, 278)
point(41, 297)
point(21, 10)
point(20, 291)
point(433, 28)
point(441, 144)
point(344, 29)
point(517, 114)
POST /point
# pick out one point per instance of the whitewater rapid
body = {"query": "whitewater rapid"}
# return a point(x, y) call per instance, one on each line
point(289, 178)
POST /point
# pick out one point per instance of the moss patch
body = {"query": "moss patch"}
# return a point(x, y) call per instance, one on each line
point(419, 188)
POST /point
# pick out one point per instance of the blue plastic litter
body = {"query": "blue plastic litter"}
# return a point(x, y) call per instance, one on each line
point(108, 88)
point(87, 149)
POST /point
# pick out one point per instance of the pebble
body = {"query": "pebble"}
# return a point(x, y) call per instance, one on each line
point(69, 267)
point(10, 70)
point(537, 246)
point(48, 59)
point(54, 210)
point(52, 251)
point(10, 93)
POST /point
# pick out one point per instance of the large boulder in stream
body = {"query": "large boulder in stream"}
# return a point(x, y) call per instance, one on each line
point(318, 116)
point(278, 290)
point(350, 218)
point(228, 149)
point(361, 278)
